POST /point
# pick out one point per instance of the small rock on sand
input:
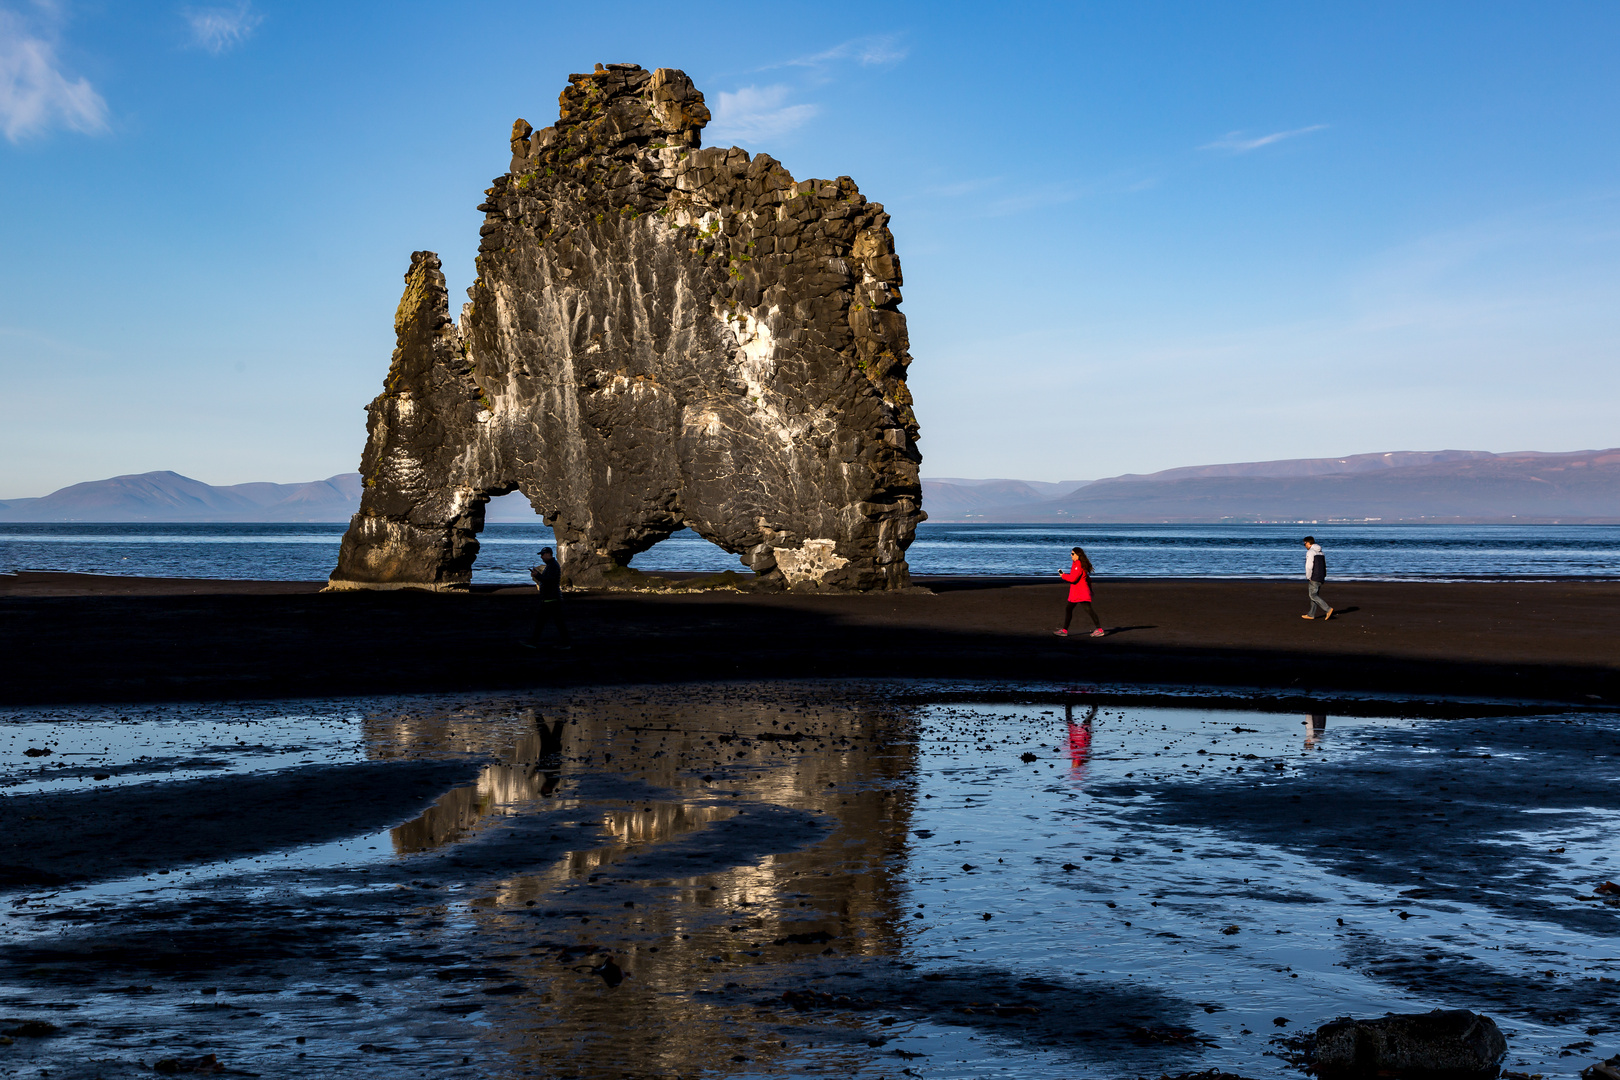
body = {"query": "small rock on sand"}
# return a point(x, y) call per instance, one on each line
point(1447, 1044)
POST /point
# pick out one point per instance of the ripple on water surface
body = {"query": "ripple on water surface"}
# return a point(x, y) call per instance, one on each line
point(802, 879)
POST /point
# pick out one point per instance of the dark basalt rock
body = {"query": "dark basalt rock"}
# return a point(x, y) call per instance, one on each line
point(1453, 1044)
point(661, 336)
point(1603, 1070)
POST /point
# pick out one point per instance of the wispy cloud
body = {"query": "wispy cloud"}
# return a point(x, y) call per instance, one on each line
point(994, 196)
point(754, 113)
point(1043, 197)
point(1236, 142)
point(866, 51)
point(1558, 250)
point(35, 95)
point(762, 112)
point(218, 29)
point(962, 187)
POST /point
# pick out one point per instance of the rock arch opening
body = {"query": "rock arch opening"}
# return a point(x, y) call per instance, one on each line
point(513, 534)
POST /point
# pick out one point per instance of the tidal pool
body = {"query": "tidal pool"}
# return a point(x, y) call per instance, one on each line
point(918, 879)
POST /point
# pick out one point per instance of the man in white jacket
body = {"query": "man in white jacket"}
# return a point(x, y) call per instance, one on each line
point(1315, 574)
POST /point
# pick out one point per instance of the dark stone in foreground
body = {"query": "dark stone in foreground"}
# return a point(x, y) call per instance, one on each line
point(1446, 1044)
point(1603, 1070)
point(661, 336)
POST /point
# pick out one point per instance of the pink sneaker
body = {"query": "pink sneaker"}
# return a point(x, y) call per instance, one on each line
point(1099, 632)
point(1061, 633)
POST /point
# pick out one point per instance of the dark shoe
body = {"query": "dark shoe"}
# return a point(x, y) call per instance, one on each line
point(528, 645)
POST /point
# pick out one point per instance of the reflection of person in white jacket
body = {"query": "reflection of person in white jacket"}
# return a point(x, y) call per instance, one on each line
point(1315, 574)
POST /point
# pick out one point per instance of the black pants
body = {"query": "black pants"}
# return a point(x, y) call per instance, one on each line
point(1068, 613)
point(550, 612)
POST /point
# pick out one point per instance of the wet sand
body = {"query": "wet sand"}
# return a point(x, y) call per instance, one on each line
point(71, 637)
point(801, 880)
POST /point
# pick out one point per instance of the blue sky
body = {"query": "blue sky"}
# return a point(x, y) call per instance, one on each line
point(1134, 235)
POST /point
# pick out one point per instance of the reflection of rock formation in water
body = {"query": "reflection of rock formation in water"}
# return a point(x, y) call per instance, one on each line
point(660, 337)
point(846, 887)
point(532, 770)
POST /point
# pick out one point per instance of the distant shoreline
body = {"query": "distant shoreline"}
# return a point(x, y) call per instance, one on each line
point(1333, 523)
point(1438, 487)
point(27, 577)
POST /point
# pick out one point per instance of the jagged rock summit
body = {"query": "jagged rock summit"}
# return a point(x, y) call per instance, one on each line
point(660, 336)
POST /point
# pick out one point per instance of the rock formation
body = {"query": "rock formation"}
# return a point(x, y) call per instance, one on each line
point(1446, 1044)
point(660, 336)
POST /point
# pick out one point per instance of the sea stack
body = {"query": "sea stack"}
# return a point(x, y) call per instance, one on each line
point(661, 336)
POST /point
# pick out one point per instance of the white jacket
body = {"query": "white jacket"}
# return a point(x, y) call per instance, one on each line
point(1312, 553)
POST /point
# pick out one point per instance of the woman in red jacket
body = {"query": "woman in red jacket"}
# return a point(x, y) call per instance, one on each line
point(1079, 579)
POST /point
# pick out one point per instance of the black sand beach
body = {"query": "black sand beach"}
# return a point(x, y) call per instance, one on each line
point(70, 637)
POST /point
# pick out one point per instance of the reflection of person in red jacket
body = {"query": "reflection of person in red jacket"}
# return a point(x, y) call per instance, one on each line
point(1079, 739)
point(1079, 579)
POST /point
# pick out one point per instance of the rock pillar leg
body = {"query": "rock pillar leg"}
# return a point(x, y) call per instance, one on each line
point(422, 506)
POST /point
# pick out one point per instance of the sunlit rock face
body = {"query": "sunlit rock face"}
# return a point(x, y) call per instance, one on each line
point(661, 336)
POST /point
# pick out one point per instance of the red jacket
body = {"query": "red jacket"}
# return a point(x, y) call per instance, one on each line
point(1080, 583)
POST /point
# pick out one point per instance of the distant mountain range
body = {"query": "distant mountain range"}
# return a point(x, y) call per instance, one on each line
point(952, 499)
point(168, 496)
point(1441, 486)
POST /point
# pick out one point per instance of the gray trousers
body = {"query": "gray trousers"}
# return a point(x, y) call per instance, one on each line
point(1313, 589)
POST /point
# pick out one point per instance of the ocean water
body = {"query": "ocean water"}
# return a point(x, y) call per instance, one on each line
point(1367, 552)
